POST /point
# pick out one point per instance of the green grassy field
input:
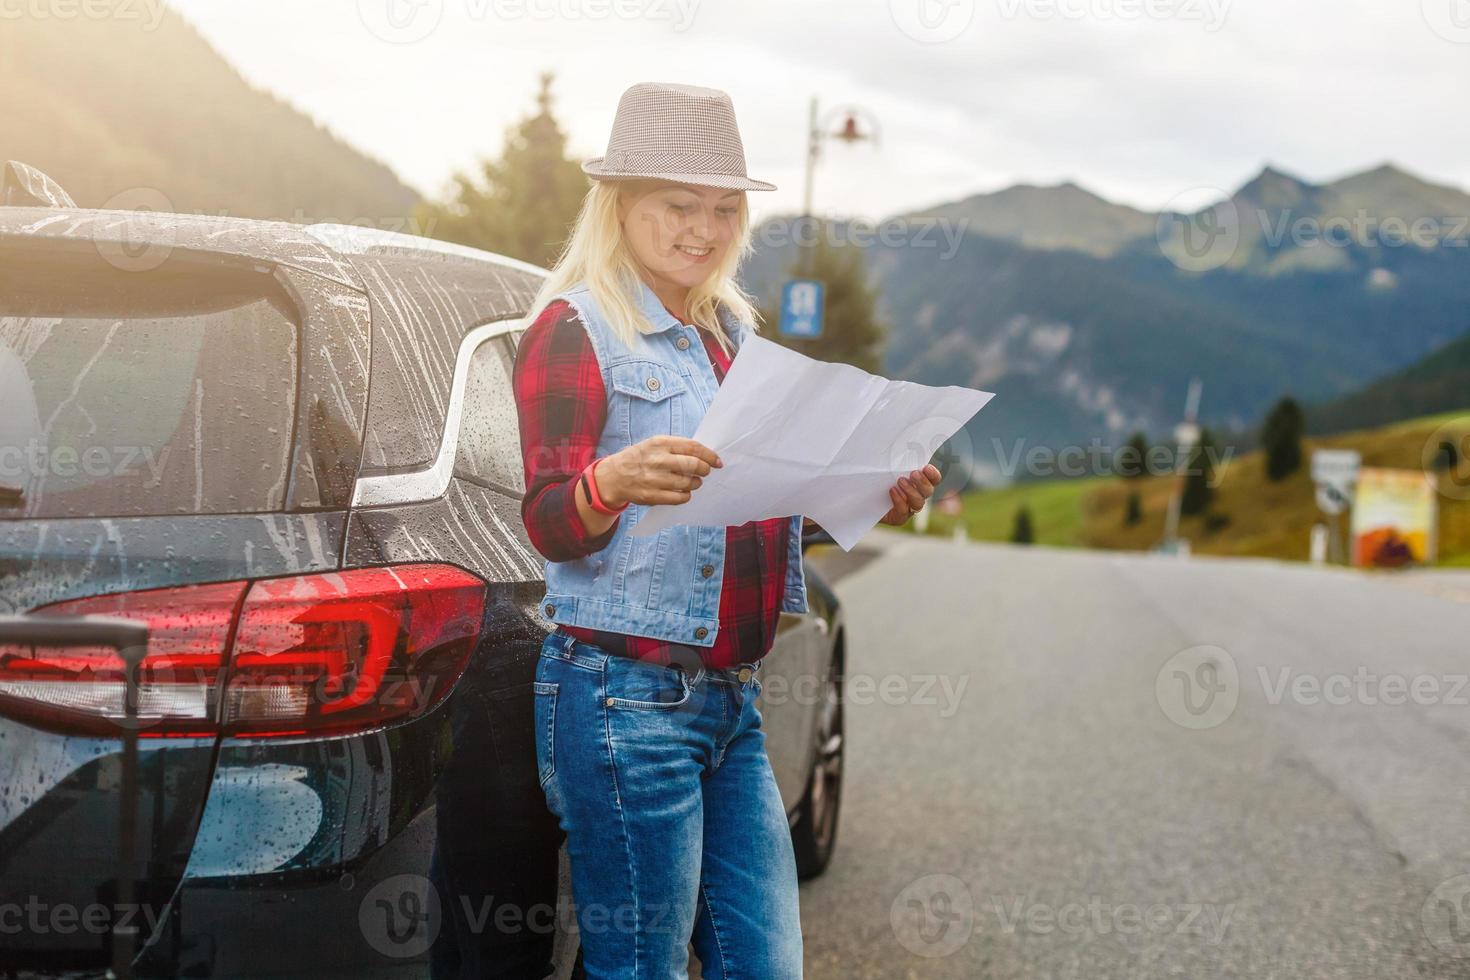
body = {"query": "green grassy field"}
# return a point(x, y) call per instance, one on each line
point(1253, 516)
point(1056, 513)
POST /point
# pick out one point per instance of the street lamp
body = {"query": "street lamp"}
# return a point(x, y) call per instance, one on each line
point(856, 125)
point(848, 124)
point(1186, 436)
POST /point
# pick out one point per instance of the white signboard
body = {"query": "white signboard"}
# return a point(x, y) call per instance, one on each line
point(1335, 471)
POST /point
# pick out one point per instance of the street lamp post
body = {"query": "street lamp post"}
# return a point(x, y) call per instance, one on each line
point(813, 147)
point(1186, 436)
point(857, 126)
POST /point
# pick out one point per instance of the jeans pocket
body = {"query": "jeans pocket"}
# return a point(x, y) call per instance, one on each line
point(546, 694)
point(639, 686)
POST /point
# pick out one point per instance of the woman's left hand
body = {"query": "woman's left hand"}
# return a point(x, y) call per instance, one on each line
point(909, 493)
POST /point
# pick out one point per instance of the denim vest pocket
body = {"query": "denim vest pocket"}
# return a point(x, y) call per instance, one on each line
point(648, 399)
point(640, 562)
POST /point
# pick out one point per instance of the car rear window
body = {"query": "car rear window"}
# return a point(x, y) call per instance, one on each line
point(130, 393)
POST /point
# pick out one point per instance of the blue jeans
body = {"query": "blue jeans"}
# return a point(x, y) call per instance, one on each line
point(674, 825)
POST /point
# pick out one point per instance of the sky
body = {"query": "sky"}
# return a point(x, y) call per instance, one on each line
point(1147, 102)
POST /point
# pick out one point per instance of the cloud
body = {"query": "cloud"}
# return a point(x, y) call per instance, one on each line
point(1137, 108)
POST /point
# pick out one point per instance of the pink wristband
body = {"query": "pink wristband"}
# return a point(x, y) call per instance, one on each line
point(597, 502)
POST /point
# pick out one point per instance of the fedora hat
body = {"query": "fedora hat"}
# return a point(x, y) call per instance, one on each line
point(682, 133)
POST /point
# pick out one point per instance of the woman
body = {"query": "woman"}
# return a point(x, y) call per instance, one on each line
point(649, 743)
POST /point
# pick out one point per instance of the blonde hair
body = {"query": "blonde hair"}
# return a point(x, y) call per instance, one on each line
point(597, 257)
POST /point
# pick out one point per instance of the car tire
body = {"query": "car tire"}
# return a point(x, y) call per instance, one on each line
point(814, 834)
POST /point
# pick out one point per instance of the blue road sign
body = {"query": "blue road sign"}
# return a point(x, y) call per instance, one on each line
point(801, 308)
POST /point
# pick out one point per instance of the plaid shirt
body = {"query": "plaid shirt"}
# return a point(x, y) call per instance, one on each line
point(563, 404)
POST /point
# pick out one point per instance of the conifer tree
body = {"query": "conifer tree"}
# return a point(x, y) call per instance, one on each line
point(521, 204)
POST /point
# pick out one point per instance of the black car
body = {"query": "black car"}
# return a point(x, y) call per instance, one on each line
point(291, 455)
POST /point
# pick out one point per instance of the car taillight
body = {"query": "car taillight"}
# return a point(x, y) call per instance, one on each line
point(80, 690)
point(320, 654)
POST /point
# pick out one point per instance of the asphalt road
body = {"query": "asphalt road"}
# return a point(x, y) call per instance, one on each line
point(1071, 764)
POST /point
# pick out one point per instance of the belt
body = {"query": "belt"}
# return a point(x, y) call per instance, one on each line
point(617, 645)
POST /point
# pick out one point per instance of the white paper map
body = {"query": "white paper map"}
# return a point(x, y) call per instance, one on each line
point(801, 436)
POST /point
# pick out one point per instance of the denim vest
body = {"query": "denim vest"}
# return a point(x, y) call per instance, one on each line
point(666, 585)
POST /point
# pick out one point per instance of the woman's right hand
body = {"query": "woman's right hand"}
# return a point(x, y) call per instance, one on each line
point(658, 470)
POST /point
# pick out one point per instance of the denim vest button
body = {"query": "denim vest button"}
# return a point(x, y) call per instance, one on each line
point(682, 343)
point(653, 384)
point(707, 571)
point(550, 609)
point(701, 633)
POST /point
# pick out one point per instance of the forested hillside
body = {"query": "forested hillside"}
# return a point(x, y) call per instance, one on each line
point(111, 105)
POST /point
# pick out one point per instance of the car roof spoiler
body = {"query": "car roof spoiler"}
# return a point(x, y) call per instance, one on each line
point(22, 185)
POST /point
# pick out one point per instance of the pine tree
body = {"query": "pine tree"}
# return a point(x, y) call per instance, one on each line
point(1134, 512)
point(1133, 461)
point(1281, 437)
point(522, 204)
point(1021, 532)
point(851, 331)
point(1200, 476)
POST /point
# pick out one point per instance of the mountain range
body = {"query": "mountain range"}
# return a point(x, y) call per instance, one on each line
point(1440, 382)
point(1089, 318)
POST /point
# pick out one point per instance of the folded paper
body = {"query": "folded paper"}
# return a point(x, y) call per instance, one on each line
point(801, 436)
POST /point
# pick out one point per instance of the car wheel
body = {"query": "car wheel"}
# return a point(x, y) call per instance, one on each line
point(814, 834)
